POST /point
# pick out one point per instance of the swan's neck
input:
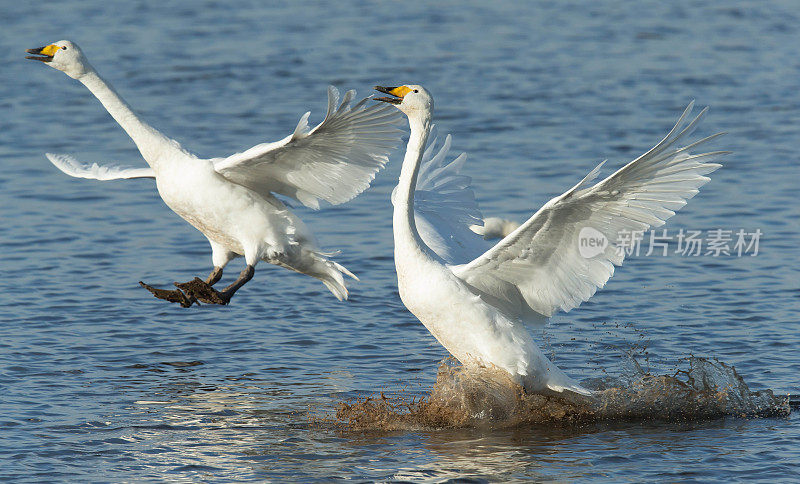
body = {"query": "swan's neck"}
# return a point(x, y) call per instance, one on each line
point(406, 236)
point(152, 144)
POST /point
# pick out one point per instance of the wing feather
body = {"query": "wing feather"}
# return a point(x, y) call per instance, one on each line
point(445, 205)
point(73, 167)
point(334, 161)
point(538, 269)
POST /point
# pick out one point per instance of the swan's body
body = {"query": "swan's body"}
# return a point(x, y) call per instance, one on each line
point(232, 200)
point(479, 307)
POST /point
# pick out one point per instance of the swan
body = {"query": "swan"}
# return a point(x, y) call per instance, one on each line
point(232, 200)
point(480, 307)
point(495, 227)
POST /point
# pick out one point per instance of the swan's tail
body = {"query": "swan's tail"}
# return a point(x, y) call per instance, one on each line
point(332, 275)
point(550, 378)
point(316, 264)
point(334, 280)
point(569, 385)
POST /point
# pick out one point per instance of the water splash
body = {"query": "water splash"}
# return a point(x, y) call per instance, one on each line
point(463, 397)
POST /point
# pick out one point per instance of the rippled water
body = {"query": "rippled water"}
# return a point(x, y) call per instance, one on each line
point(102, 382)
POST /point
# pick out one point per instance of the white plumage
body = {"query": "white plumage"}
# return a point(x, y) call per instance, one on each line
point(479, 310)
point(75, 168)
point(445, 206)
point(232, 200)
point(539, 268)
point(495, 227)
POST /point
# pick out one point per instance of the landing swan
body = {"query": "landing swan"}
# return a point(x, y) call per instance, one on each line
point(232, 200)
point(479, 307)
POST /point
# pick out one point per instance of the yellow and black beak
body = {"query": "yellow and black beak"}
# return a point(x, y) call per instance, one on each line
point(44, 54)
point(398, 93)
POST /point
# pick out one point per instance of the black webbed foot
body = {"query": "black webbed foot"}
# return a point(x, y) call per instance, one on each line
point(171, 295)
point(200, 290)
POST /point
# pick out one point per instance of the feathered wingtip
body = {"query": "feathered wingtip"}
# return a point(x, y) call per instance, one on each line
point(333, 101)
point(683, 128)
point(302, 128)
point(586, 180)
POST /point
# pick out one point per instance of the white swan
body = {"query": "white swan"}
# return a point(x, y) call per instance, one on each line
point(479, 310)
point(232, 200)
point(495, 228)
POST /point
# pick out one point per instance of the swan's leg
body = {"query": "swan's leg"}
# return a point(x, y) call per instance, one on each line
point(251, 259)
point(215, 276)
point(202, 290)
point(220, 256)
point(196, 290)
point(243, 278)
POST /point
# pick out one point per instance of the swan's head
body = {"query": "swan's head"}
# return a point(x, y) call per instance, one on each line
point(63, 55)
point(411, 99)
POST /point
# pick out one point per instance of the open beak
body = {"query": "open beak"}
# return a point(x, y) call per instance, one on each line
point(44, 54)
point(396, 92)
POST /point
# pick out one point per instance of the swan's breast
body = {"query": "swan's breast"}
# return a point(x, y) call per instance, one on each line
point(229, 214)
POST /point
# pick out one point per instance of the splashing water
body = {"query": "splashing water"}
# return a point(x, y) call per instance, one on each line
point(464, 397)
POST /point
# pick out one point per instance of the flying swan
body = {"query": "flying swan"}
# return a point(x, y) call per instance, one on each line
point(232, 200)
point(479, 303)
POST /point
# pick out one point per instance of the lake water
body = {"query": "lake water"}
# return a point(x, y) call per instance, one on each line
point(99, 381)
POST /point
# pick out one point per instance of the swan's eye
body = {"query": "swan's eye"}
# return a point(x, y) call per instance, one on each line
point(416, 90)
point(63, 47)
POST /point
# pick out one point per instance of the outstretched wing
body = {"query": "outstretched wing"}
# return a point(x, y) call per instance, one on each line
point(73, 167)
point(539, 268)
point(445, 206)
point(335, 161)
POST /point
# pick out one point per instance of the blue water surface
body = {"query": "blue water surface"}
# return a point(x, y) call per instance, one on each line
point(99, 381)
